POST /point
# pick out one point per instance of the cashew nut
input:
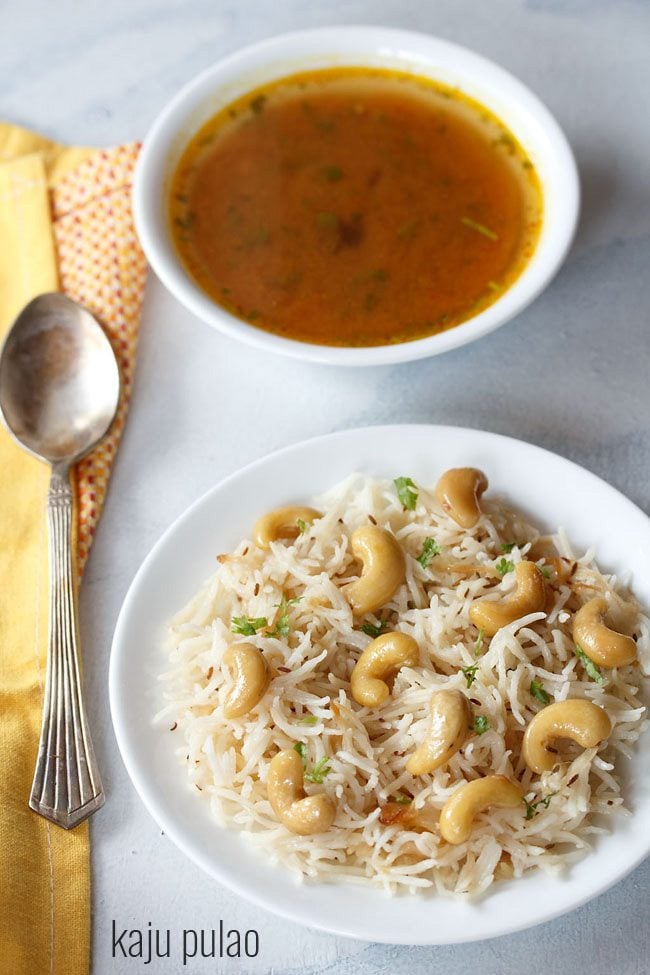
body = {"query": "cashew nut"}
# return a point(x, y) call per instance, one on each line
point(582, 721)
point(605, 647)
point(378, 663)
point(384, 569)
point(450, 719)
point(299, 812)
point(282, 523)
point(464, 805)
point(458, 492)
point(529, 597)
point(250, 679)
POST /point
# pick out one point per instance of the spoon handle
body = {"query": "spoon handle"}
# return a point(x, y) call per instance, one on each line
point(67, 787)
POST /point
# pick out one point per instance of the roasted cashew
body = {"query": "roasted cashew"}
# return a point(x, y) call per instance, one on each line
point(458, 492)
point(300, 813)
point(450, 720)
point(529, 597)
point(250, 679)
point(384, 569)
point(380, 661)
point(282, 523)
point(582, 721)
point(464, 805)
point(605, 647)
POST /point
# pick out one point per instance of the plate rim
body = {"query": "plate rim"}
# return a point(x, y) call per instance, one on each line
point(231, 882)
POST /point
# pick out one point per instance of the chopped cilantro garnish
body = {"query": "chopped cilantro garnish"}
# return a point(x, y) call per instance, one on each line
point(478, 646)
point(402, 800)
point(469, 673)
point(371, 630)
point(282, 626)
point(480, 724)
point(430, 549)
point(332, 173)
point(378, 274)
point(479, 227)
point(319, 771)
point(533, 807)
point(327, 220)
point(591, 668)
point(538, 691)
point(257, 104)
point(406, 492)
point(301, 748)
point(508, 546)
point(504, 566)
point(248, 626)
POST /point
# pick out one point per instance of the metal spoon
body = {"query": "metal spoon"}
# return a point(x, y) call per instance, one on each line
point(59, 390)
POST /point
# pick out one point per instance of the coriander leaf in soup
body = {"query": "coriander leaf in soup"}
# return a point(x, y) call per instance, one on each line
point(430, 549)
point(406, 492)
point(480, 724)
point(327, 220)
point(332, 173)
point(257, 104)
point(538, 691)
point(592, 670)
point(504, 566)
point(248, 626)
point(480, 228)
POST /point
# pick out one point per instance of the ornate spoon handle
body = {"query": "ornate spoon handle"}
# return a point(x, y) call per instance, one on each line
point(67, 787)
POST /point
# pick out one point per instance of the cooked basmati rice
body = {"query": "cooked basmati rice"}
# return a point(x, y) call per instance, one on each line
point(228, 760)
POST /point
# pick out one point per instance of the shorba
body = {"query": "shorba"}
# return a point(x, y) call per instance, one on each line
point(355, 207)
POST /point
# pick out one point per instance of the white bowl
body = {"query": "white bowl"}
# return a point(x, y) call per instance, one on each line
point(509, 100)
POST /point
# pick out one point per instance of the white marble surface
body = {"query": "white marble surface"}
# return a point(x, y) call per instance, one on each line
point(570, 374)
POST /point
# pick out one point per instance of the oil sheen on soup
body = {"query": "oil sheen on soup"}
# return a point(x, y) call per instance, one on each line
point(353, 207)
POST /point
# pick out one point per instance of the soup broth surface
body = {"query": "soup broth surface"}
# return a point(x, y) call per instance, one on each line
point(355, 207)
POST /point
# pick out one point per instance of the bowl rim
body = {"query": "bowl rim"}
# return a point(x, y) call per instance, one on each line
point(370, 45)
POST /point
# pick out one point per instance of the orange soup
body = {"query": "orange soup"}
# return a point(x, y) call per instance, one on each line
point(355, 207)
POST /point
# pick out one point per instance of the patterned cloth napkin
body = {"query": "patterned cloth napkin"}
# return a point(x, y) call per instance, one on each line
point(65, 224)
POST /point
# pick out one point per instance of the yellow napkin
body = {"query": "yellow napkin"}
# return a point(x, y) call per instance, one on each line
point(65, 224)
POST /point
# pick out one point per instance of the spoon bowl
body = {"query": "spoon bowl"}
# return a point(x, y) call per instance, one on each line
point(59, 381)
point(59, 392)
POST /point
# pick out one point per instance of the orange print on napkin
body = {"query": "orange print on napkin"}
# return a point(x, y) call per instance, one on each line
point(101, 266)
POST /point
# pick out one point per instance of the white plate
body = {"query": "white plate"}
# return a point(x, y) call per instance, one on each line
point(552, 490)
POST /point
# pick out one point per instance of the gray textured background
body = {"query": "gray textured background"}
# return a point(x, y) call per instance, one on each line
point(570, 374)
